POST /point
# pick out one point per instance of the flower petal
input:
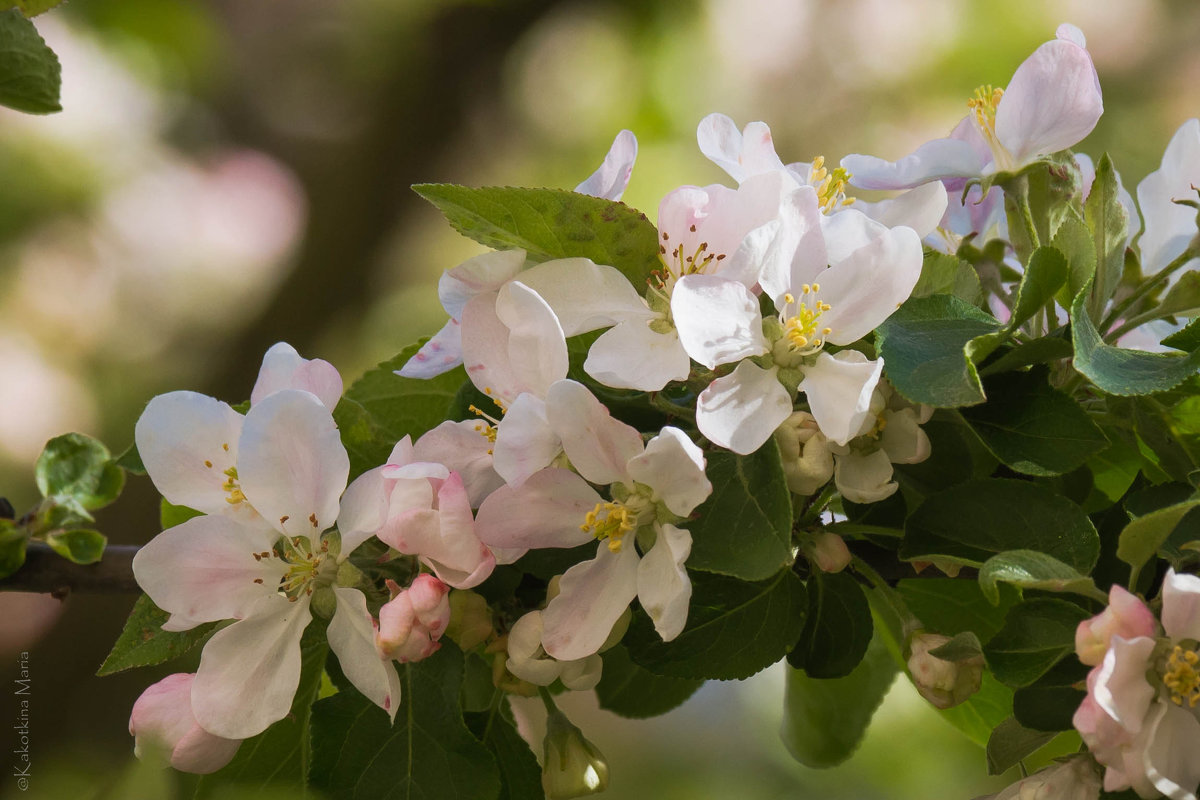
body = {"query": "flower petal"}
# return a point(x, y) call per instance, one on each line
point(934, 160)
point(536, 344)
point(1170, 227)
point(352, 638)
point(633, 356)
point(611, 178)
point(673, 466)
point(718, 320)
point(283, 368)
point(482, 274)
point(921, 208)
point(598, 445)
point(1121, 688)
point(740, 153)
point(440, 354)
point(525, 442)
point(663, 586)
point(865, 478)
point(249, 671)
point(547, 510)
point(865, 288)
point(584, 295)
point(592, 596)
point(363, 510)
point(463, 447)
point(741, 410)
point(1181, 605)
point(1172, 756)
point(838, 389)
point(291, 463)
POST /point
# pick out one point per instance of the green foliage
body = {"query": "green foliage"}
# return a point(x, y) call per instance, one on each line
point(1074, 241)
point(1049, 704)
point(79, 545)
point(632, 691)
point(971, 522)
point(143, 642)
point(925, 346)
point(170, 515)
point(1033, 428)
point(950, 607)
point(1142, 537)
point(1030, 569)
point(745, 526)
point(78, 472)
point(942, 273)
point(1047, 271)
point(1010, 742)
point(1036, 634)
point(824, 720)
point(520, 775)
point(1036, 351)
point(1108, 223)
point(962, 647)
point(30, 8)
point(13, 541)
point(30, 75)
point(734, 628)
point(1187, 339)
point(982, 712)
point(428, 752)
point(551, 223)
point(838, 630)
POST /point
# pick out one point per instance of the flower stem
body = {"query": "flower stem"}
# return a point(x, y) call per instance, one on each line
point(1144, 289)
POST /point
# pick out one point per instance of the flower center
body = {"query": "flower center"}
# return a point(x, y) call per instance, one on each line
point(486, 425)
point(830, 186)
point(305, 564)
point(610, 522)
point(1182, 678)
point(984, 103)
point(801, 321)
point(232, 488)
point(678, 262)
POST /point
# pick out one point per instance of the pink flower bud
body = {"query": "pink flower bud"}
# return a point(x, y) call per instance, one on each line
point(943, 683)
point(411, 623)
point(1126, 616)
point(430, 604)
point(829, 552)
point(162, 722)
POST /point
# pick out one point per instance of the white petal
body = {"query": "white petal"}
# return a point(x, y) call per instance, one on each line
point(741, 410)
point(445, 538)
point(188, 442)
point(663, 586)
point(839, 391)
point(934, 160)
point(363, 510)
point(740, 154)
point(1172, 759)
point(1121, 688)
point(283, 368)
point(632, 356)
point(1051, 103)
point(537, 348)
point(902, 438)
point(440, 354)
point(865, 478)
point(486, 354)
point(291, 463)
point(526, 659)
point(718, 320)
point(868, 286)
point(921, 208)
point(546, 511)
point(598, 445)
point(582, 674)
point(249, 671)
point(482, 274)
point(802, 231)
point(592, 596)
point(1170, 227)
point(1181, 605)
point(525, 442)
point(462, 447)
point(610, 180)
point(204, 569)
point(586, 296)
point(673, 466)
point(352, 638)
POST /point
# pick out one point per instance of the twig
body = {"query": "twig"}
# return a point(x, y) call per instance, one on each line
point(46, 572)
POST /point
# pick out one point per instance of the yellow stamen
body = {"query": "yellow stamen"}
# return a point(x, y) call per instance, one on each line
point(801, 329)
point(232, 487)
point(677, 263)
point(610, 521)
point(1182, 678)
point(830, 186)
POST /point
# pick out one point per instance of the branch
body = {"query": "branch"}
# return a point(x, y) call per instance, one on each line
point(46, 572)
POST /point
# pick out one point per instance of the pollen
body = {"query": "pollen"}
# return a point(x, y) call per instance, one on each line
point(830, 186)
point(801, 327)
point(1182, 678)
point(485, 429)
point(679, 262)
point(610, 522)
point(232, 488)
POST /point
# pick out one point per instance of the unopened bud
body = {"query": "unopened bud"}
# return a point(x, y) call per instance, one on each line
point(943, 683)
point(1126, 616)
point(411, 623)
point(571, 765)
point(163, 726)
point(828, 552)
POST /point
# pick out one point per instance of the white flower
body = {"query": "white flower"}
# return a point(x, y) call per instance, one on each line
point(528, 660)
point(162, 718)
point(1171, 227)
point(612, 176)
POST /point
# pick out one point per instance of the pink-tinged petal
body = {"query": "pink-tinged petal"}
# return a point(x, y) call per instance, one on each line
point(592, 596)
point(463, 447)
point(1051, 103)
point(1070, 33)
point(1126, 616)
point(410, 495)
point(526, 659)
point(177, 623)
point(740, 153)
point(632, 356)
point(802, 231)
point(741, 410)
point(444, 538)
point(610, 180)
point(249, 671)
point(546, 511)
point(921, 208)
point(284, 368)
point(718, 320)
point(932, 161)
point(869, 285)
point(440, 354)
point(673, 466)
point(598, 445)
point(663, 586)
point(865, 477)
point(486, 353)
point(838, 389)
point(352, 638)
point(586, 296)
point(537, 347)
point(415, 470)
point(482, 274)
point(1120, 686)
point(204, 569)
point(1181, 605)
point(431, 603)
point(291, 463)
point(162, 717)
point(1170, 227)
point(363, 510)
point(1172, 756)
point(189, 442)
point(525, 442)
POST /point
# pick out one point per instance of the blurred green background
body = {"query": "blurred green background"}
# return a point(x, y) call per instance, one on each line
point(228, 174)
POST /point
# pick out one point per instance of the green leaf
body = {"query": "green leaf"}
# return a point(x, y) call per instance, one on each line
point(971, 522)
point(982, 712)
point(1074, 240)
point(950, 607)
point(79, 546)
point(13, 541)
point(824, 720)
point(1115, 468)
point(143, 642)
point(1030, 569)
point(279, 756)
point(1050, 703)
point(1047, 271)
point(1037, 351)
point(956, 455)
point(631, 691)
point(1033, 428)
point(1124, 372)
point(962, 647)
point(924, 345)
point(838, 629)
point(131, 460)
point(1187, 339)
point(30, 76)
point(520, 775)
point(551, 223)
point(744, 528)
point(1183, 298)
point(1036, 634)
point(170, 515)
point(80, 468)
point(1010, 742)
point(942, 273)
point(734, 628)
point(429, 752)
point(1108, 223)
point(1141, 539)
point(30, 8)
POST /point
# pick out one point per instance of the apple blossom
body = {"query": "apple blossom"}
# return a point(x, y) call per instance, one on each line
point(1171, 227)
point(162, 720)
point(411, 623)
point(612, 176)
point(943, 683)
